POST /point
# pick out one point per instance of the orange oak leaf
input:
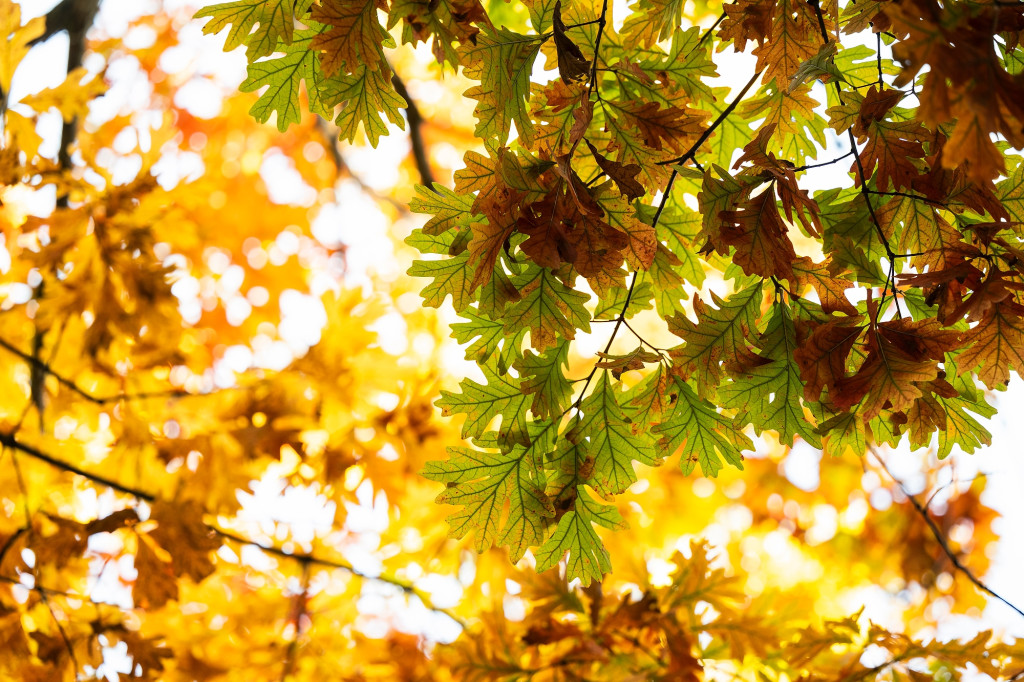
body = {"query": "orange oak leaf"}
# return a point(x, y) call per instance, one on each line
point(623, 175)
point(576, 188)
point(662, 127)
point(892, 147)
point(156, 583)
point(901, 355)
point(355, 35)
point(831, 290)
point(747, 20)
point(823, 353)
point(794, 199)
point(759, 235)
point(182, 532)
point(996, 345)
point(598, 251)
point(546, 224)
point(794, 39)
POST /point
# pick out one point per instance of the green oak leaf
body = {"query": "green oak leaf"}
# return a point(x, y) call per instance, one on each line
point(547, 307)
point(281, 77)
point(502, 61)
point(705, 436)
point(612, 300)
point(273, 21)
point(501, 494)
point(588, 558)
point(720, 335)
point(543, 378)
point(481, 403)
point(446, 208)
point(770, 393)
point(453, 276)
point(365, 94)
point(486, 337)
point(844, 433)
point(606, 435)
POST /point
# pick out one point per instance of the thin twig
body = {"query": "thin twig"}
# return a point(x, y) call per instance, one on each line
point(642, 340)
point(824, 163)
point(711, 29)
point(891, 277)
point(42, 595)
point(45, 369)
point(939, 535)
point(601, 22)
point(907, 195)
point(688, 156)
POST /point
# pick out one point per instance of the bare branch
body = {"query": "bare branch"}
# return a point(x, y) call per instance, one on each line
point(891, 277)
point(416, 123)
point(409, 588)
point(43, 369)
point(939, 536)
point(688, 156)
point(334, 146)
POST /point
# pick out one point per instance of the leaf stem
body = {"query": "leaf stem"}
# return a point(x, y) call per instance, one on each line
point(601, 22)
point(823, 163)
point(704, 36)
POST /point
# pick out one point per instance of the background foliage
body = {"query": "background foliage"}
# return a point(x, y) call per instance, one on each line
point(219, 389)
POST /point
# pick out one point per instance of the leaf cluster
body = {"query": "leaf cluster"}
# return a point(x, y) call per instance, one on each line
point(632, 188)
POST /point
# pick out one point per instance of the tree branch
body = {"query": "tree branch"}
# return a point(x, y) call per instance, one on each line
point(939, 535)
point(300, 613)
point(43, 369)
point(891, 277)
point(416, 123)
point(76, 17)
point(824, 163)
point(601, 22)
point(333, 145)
point(714, 125)
point(409, 588)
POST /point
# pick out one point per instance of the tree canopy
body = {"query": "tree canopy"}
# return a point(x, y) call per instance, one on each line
point(498, 357)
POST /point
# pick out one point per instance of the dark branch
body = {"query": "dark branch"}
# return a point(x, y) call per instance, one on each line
point(75, 17)
point(916, 197)
point(10, 441)
point(416, 123)
point(891, 276)
point(300, 613)
point(601, 21)
point(823, 163)
point(704, 36)
point(43, 369)
point(939, 536)
point(334, 146)
point(714, 125)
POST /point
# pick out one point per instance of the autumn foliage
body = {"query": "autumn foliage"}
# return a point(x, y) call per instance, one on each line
point(674, 251)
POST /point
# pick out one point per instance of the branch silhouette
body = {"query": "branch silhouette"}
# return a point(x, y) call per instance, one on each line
point(407, 587)
point(940, 536)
